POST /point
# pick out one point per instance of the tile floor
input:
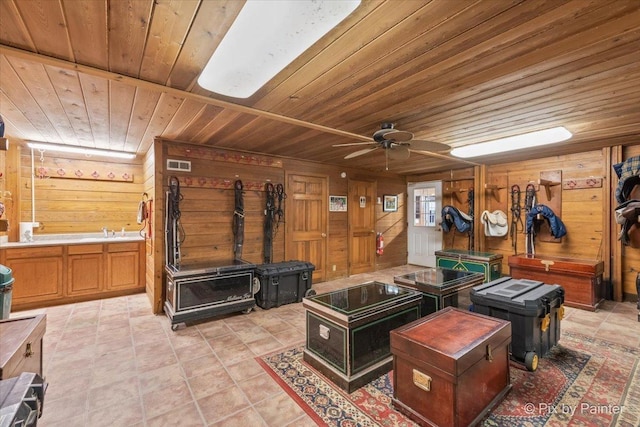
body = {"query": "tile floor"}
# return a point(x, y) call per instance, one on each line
point(113, 363)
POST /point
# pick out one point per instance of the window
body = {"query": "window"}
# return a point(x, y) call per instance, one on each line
point(425, 207)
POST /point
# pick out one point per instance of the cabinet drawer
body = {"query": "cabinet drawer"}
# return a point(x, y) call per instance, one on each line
point(45, 251)
point(123, 247)
point(85, 249)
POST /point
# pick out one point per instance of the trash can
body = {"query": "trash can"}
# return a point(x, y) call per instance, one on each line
point(6, 286)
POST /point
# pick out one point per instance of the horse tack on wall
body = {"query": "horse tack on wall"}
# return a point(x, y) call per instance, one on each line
point(549, 193)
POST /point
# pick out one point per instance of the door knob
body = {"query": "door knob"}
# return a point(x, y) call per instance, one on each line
point(324, 234)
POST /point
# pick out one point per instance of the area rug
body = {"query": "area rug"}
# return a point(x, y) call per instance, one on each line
point(582, 381)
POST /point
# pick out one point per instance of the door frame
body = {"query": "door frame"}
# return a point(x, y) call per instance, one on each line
point(325, 225)
point(350, 245)
point(411, 187)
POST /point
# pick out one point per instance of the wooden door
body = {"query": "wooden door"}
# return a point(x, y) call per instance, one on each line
point(306, 221)
point(362, 226)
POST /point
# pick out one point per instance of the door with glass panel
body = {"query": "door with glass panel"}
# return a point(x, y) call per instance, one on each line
point(424, 232)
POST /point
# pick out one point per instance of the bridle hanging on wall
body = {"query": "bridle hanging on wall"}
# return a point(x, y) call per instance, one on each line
point(515, 217)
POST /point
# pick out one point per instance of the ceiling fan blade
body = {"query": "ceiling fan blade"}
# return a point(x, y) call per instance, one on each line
point(349, 144)
point(398, 135)
point(399, 152)
point(428, 146)
point(360, 152)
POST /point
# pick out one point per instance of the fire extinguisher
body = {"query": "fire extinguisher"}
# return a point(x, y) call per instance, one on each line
point(379, 244)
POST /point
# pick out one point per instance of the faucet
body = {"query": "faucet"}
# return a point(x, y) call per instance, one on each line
point(106, 233)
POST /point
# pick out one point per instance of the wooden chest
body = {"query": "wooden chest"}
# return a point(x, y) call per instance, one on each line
point(489, 264)
point(581, 279)
point(451, 367)
point(21, 345)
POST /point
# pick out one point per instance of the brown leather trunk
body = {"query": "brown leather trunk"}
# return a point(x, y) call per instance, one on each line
point(451, 367)
point(21, 348)
point(581, 279)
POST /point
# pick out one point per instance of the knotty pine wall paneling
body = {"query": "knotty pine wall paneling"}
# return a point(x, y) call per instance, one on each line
point(388, 223)
point(154, 262)
point(207, 212)
point(84, 204)
point(208, 205)
point(582, 208)
point(392, 225)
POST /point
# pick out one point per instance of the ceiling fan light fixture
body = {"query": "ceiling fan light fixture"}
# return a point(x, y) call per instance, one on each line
point(517, 142)
point(266, 37)
point(80, 150)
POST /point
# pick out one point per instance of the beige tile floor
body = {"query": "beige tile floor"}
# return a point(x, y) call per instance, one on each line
point(113, 363)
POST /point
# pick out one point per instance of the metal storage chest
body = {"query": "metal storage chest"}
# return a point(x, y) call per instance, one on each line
point(283, 283)
point(348, 330)
point(201, 290)
point(534, 309)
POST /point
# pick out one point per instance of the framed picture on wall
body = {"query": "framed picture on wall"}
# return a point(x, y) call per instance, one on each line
point(389, 203)
point(337, 203)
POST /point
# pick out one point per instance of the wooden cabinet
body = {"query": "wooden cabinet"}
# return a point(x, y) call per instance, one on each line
point(85, 272)
point(49, 275)
point(123, 266)
point(38, 274)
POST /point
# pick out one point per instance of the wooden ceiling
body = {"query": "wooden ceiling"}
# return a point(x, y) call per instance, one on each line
point(115, 74)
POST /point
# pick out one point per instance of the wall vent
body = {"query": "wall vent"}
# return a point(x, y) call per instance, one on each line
point(178, 165)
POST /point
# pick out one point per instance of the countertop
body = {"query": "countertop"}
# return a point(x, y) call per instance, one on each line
point(74, 239)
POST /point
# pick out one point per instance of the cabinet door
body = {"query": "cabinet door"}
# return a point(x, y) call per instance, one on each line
point(36, 279)
point(123, 270)
point(85, 274)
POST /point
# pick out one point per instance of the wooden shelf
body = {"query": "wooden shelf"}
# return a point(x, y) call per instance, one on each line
point(547, 186)
point(454, 191)
point(494, 189)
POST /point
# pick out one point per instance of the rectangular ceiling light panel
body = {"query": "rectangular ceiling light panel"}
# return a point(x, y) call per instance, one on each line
point(517, 142)
point(266, 37)
point(80, 150)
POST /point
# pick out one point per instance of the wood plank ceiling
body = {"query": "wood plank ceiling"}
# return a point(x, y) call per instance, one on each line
point(115, 74)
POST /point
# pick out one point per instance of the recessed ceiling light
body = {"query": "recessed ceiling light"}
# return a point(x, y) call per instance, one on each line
point(518, 142)
point(266, 37)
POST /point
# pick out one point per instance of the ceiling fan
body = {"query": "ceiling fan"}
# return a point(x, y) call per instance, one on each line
point(398, 144)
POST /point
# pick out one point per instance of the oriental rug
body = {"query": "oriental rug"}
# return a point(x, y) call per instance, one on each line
point(582, 381)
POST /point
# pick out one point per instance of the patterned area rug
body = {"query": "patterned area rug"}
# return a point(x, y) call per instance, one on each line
point(581, 382)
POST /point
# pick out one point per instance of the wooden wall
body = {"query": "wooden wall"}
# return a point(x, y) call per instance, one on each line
point(455, 192)
point(580, 209)
point(10, 191)
point(68, 199)
point(585, 209)
point(71, 205)
point(208, 204)
point(153, 251)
